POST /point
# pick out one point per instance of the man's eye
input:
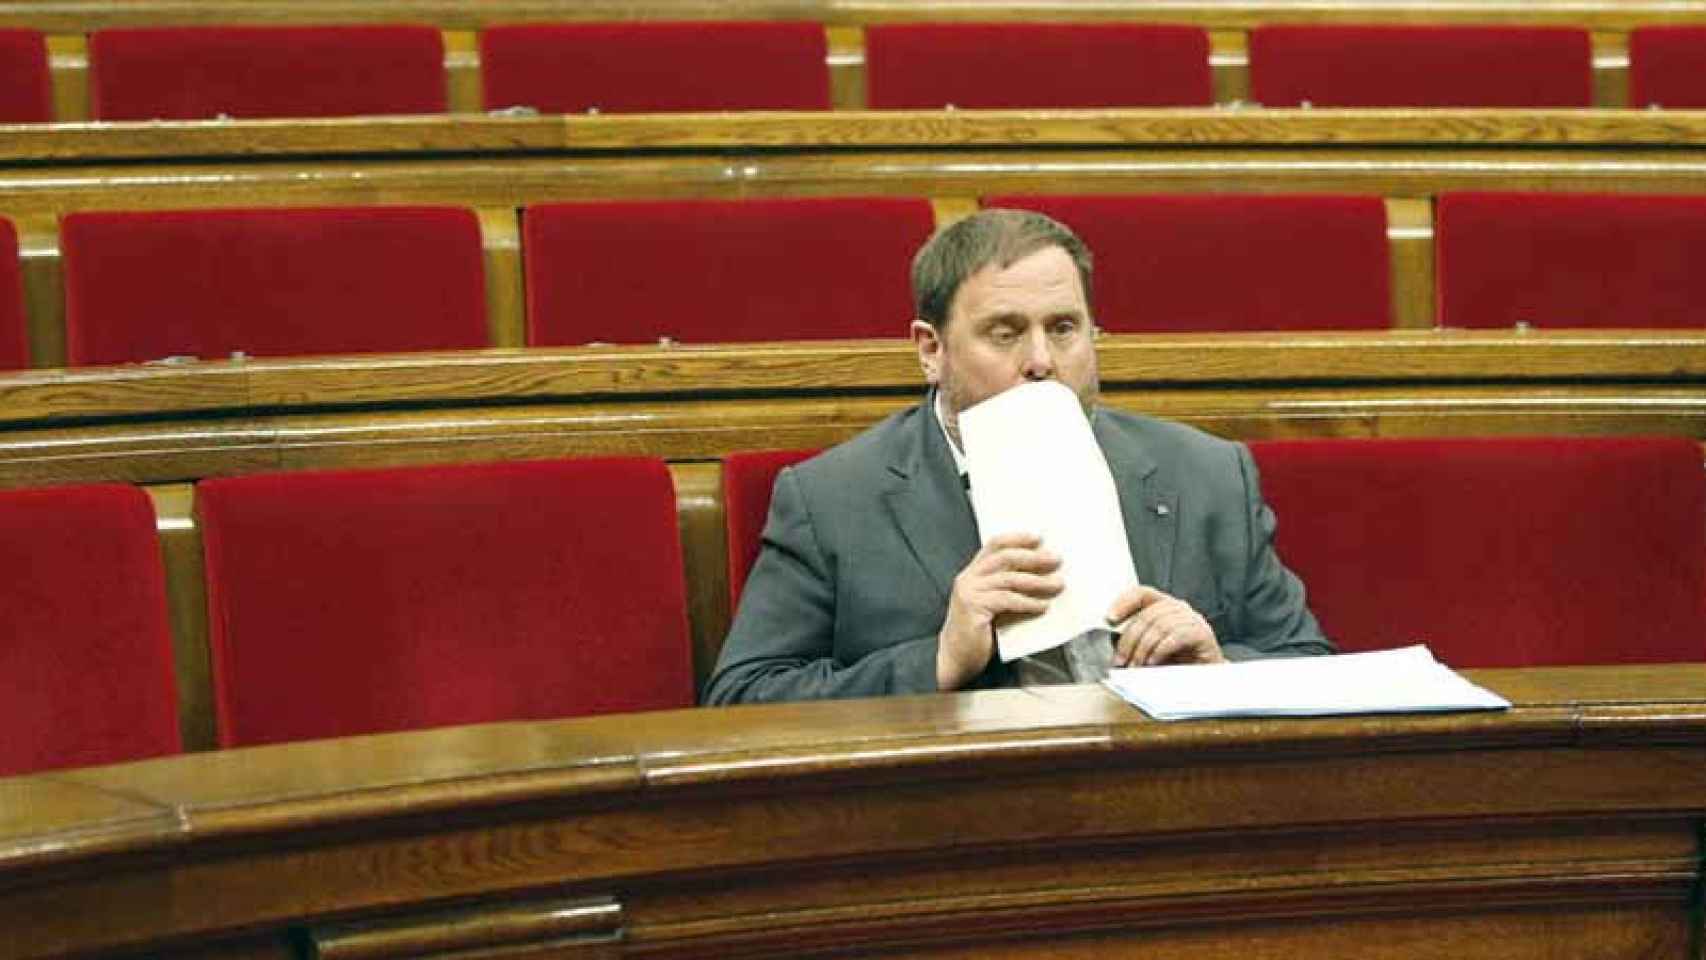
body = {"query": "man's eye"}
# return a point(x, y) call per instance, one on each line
point(1003, 335)
point(1063, 329)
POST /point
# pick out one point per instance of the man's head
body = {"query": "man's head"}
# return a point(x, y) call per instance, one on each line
point(1003, 297)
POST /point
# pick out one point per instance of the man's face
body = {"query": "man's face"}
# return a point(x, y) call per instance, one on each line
point(1009, 326)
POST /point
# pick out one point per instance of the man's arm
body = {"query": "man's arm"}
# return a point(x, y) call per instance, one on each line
point(782, 643)
point(1274, 619)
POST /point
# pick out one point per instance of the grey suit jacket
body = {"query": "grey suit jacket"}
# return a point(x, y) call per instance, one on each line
point(864, 541)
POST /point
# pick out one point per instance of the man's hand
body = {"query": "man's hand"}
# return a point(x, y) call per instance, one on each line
point(1162, 629)
point(1012, 574)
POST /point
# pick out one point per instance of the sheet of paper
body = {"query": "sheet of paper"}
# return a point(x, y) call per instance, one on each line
point(1035, 468)
point(1406, 680)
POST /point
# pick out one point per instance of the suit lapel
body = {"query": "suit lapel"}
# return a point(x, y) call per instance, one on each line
point(1148, 505)
point(929, 502)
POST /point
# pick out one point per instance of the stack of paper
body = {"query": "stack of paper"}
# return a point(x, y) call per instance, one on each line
point(1387, 681)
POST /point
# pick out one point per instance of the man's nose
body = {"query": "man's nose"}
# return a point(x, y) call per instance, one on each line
point(1039, 356)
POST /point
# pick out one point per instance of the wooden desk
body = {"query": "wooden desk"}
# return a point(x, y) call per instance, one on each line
point(1043, 823)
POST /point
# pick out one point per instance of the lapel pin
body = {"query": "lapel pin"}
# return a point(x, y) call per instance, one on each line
point(1161, 510)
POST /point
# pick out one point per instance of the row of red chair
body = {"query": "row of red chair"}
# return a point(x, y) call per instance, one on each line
point(282, 281)
point(205, 72)
point(342, 603)
point(345, 603)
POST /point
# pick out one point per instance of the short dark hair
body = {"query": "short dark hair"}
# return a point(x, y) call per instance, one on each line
point(994, 236)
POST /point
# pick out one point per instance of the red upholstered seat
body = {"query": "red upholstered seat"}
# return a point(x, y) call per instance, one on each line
point(85, 652)
point(1230, 261)
point(656, 67)
point(14, 329)
point(1570, 260)
point(1036, 65)
point(271, 282)
point(720, 270)
point(1499, 552)
point(26, 93)
point(748, 479)
point(1667, 66)
point(192, 73)
point(1421, 66)
point(354, 602)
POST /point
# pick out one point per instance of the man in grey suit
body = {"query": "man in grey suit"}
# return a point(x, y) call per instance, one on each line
point(871, 579)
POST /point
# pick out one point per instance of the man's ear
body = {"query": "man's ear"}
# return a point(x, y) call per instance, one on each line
point(930, 347)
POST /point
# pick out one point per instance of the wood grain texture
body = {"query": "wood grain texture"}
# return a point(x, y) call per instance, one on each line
point(1016, 822)
point(1229, 125)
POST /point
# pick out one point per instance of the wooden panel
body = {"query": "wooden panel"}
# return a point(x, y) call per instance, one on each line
point(506, 298)
point(841, 827)
point(847, 88)
point(463, 83)
point(186, 602)
point(68, 69)
point(704, 553)
point(1229, 65)
point(499, 135)
point(1611, 70)
point(44, 287)
point(1410, 236)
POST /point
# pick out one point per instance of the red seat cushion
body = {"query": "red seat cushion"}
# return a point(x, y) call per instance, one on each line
point(1036, 65)
point(748, 479)
point(14, 329)
point(1422, 66)
point(717, 270)
point(658, 66)
point(1570, 260)
point(1667, 66)
point(85, 652)
point(1230, 262)
point(353, 602)
point(26, 92)
point(271, 282)
point(192, 73)
point(1499, 552)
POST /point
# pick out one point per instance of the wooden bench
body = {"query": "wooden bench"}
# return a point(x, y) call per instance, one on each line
point(1001, 823)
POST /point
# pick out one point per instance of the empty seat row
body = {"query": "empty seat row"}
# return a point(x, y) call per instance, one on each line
point(344, 603)
point(287, 281)
point(206, 72)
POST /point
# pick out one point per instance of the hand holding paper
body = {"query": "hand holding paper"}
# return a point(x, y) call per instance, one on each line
point(1035, 468)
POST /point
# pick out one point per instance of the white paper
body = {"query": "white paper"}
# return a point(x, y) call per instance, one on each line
point(1405, 680)
point(1035, 468)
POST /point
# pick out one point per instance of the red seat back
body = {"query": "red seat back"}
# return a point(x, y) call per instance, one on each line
point(1570, 260)
point(1499, 552)
point(85, 651)
point(353, 602)
point(721, 270)
point(26, 92)
point(194, 73)
point(1421, 66)
point(1230, 261)
point(748, 479)
point(1036, 65)
point(14, 328)
point(656, 67)
point(271, 282)
point(1667, 66)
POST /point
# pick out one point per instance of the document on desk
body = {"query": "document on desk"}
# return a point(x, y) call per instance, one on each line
point(1406, 680)
point(1035, 467)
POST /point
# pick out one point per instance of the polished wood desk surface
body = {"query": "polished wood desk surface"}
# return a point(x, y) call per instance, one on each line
point(1041, 822)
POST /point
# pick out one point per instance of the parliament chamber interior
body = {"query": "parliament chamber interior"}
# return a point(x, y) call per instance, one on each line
point(391, 398)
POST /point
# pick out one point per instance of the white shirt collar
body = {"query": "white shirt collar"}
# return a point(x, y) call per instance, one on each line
point(942, 422)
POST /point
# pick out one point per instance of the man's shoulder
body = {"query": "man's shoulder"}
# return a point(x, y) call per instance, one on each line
point(866, 456)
